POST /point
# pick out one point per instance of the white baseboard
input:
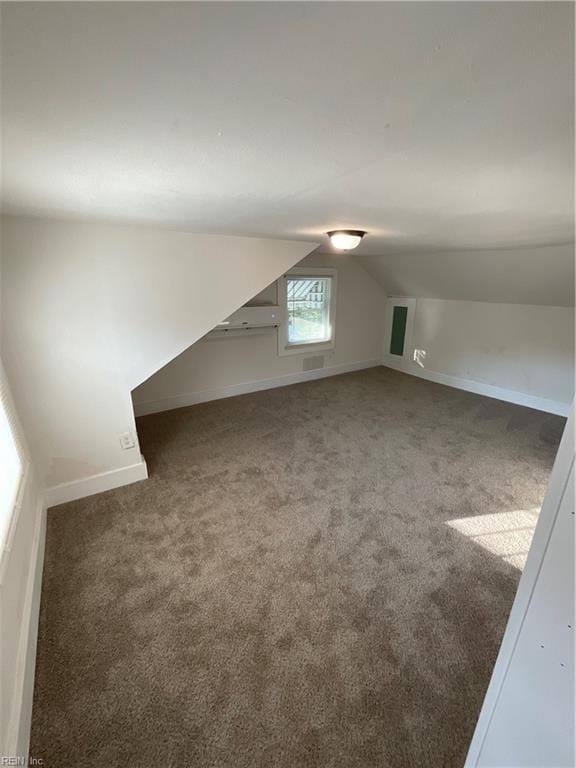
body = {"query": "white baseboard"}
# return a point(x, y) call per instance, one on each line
point(88, 486)
point(20, 717)
point(480, 388)
point(206, 395)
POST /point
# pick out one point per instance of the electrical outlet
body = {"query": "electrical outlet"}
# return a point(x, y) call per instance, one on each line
point(127, 440)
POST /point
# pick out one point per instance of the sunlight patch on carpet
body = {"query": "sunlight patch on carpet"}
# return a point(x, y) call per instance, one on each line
point(506, 534)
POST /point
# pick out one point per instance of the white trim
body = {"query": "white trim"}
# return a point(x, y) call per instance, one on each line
point(20, 716)
point(480, 388)
point(206, 395)
point(7, 402)
point(20, 496)
point(538, 551)
point(104, 481)
point(306, 348)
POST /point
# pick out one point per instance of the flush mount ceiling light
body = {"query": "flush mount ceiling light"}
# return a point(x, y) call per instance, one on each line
point(346, 239)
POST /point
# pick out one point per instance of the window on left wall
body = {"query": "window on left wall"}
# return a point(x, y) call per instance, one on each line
point(11, 464)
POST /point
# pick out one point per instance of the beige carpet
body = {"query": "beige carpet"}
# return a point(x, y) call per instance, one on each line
point(288, 589)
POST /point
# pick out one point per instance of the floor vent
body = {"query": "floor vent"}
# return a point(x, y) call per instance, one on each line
point(311, 363)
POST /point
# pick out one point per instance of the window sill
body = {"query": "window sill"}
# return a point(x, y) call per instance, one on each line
point(306, 348)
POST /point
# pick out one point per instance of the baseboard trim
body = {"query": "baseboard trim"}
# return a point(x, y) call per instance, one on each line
point(18, 732)
point(207, 395)
point(104, 481)
point(480, 388)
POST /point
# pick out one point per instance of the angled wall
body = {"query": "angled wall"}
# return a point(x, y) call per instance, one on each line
point(499, 322)
point(222, 367)
point(90, 311)
point(523, 275)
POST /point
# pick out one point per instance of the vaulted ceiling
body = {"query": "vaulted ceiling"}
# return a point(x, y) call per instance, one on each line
point(435, 126)
point(543, 275)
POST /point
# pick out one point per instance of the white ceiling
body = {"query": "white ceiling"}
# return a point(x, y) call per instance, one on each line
point(431, 125)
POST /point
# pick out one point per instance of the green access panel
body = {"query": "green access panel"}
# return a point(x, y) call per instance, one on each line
point(398, 335)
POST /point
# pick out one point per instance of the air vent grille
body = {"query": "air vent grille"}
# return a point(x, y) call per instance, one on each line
point(312, 363)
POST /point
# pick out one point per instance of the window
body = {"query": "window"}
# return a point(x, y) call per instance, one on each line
point(308, 299)
point(11, 466)
point(308, 309)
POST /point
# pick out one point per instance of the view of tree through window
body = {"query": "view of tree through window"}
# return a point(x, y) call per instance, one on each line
point(308, 300)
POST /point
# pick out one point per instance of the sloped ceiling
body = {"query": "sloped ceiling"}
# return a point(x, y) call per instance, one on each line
point(92, 310)
point(437, 127)
point(515, 275)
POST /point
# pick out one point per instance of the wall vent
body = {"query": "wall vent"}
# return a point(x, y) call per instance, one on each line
point(311, 363)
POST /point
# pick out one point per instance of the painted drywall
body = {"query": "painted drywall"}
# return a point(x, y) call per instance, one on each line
point(21, 557)
point(92, 310)
point(213, 365)
point(431, 125)
point(523, 275)
point(20, 586)
point(520, 348)
point(527, 718)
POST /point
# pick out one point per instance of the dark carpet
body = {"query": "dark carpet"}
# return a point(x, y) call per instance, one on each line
point(285, 590)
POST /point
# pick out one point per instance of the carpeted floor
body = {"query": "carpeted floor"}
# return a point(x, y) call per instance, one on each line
point(286, 591)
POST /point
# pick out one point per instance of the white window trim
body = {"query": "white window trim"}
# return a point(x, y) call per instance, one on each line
point(8, 404)
point(284, 348)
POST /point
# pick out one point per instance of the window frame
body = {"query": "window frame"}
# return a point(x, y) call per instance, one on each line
point(284, 346)
point(7, 403)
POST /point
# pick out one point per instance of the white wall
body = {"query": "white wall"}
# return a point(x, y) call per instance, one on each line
point(215, 367)
point(517, 348)
point(91, 310)
point(20, 579)
point(21, 556)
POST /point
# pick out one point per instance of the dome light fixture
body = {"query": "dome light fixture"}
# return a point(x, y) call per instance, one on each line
point(345, 239)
